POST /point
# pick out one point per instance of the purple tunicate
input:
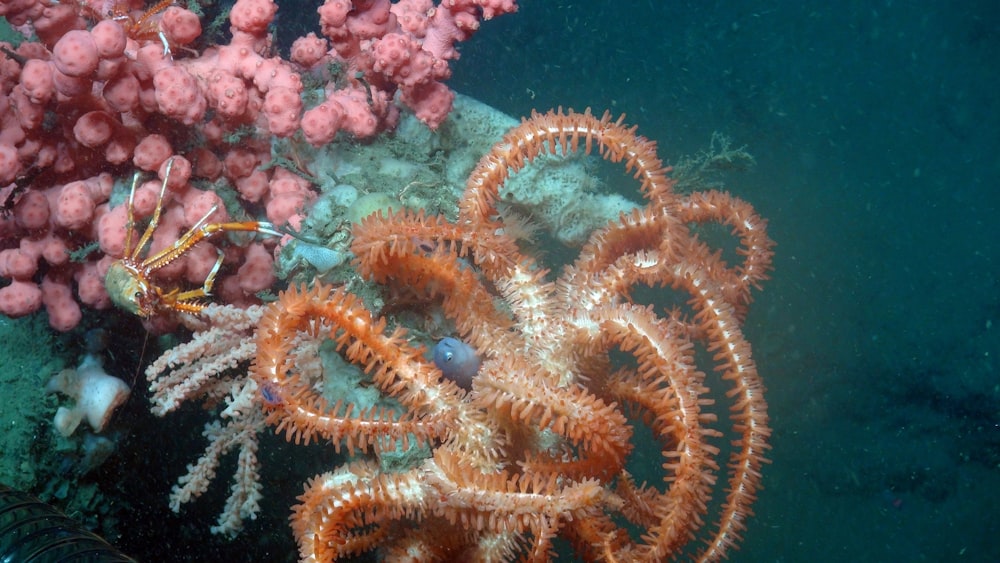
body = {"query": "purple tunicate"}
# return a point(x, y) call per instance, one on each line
point(457, 361)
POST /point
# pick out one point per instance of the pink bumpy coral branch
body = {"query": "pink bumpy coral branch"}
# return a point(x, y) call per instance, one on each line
point(108, 86)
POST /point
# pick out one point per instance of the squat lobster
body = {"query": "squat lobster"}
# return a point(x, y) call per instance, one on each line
point(129, 279)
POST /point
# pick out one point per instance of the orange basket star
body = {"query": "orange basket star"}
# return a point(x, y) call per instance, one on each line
point(540, 446)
